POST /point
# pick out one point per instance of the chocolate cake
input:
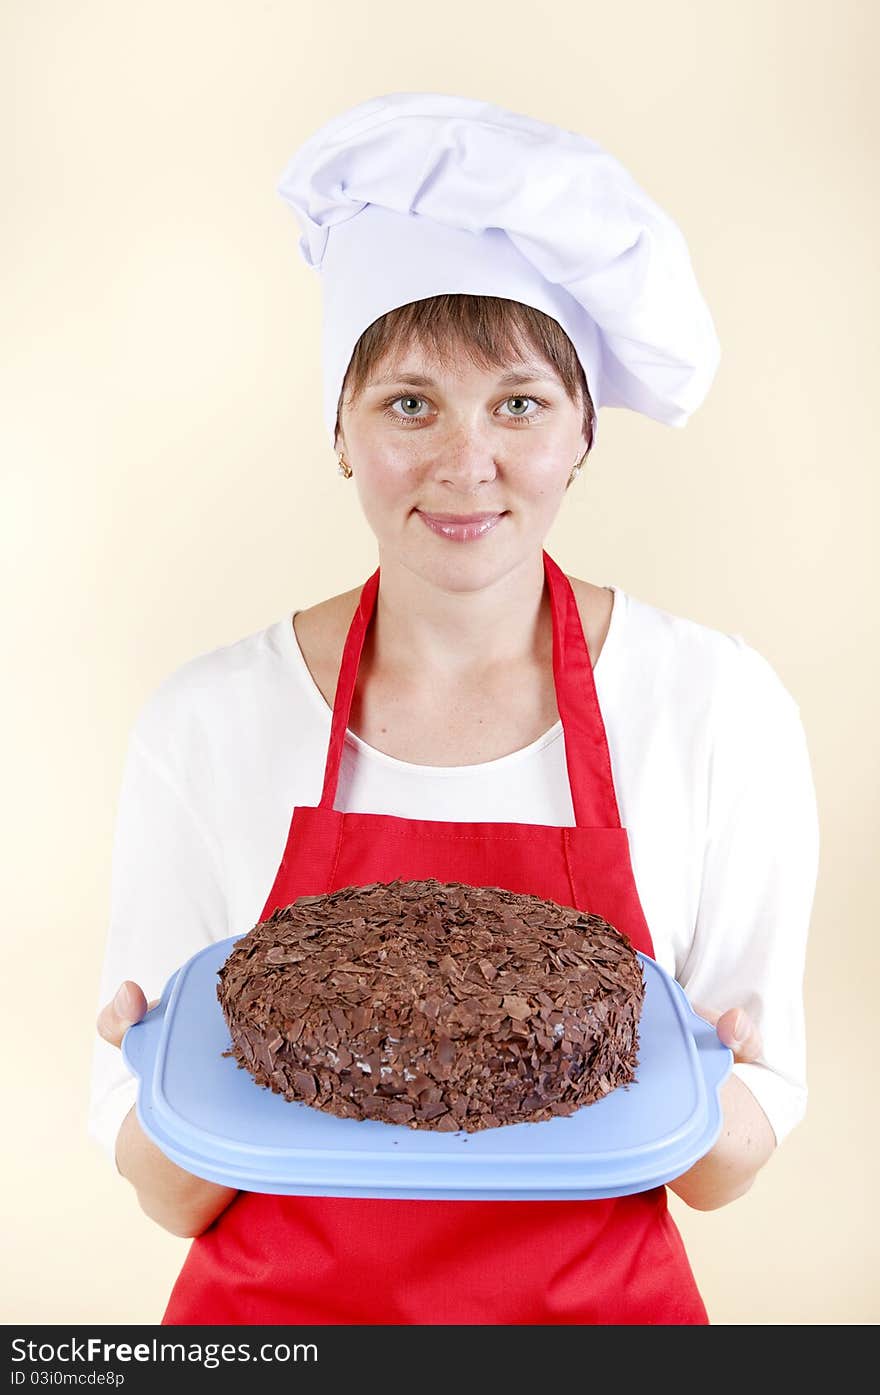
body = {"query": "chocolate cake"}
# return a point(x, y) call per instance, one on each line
point(434, 1004)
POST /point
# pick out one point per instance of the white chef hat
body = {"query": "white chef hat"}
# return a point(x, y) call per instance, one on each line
point(416, 194)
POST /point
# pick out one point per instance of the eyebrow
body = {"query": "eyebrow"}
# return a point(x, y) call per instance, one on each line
point(517, 375)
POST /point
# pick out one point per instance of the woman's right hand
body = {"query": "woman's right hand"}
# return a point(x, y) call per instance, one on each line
point(128, 1007)
point(177, 1200)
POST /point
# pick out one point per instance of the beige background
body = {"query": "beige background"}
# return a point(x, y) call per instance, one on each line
point(167, 487)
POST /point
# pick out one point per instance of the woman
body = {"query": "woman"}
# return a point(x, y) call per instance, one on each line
point(470, 686)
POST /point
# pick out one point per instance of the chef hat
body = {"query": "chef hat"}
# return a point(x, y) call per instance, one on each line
point(417, 194)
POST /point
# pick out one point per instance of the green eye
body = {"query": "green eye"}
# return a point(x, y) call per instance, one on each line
point(540, 405)
point(396, 416)
point(406, 415)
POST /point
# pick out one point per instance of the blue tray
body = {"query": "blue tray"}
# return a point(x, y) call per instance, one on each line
point(209, 1116)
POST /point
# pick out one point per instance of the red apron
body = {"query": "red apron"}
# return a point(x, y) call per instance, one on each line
point(364, 1260)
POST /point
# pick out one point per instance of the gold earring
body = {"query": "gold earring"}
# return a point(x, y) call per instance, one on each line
point(344, 468)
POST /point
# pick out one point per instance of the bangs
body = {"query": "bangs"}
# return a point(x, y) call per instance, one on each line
point(489, 331)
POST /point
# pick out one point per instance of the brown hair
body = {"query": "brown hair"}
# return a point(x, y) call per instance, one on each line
point(488, 329)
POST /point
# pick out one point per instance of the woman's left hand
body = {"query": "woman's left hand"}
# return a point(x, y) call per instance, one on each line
point(735, 1029)
point(746, 1140)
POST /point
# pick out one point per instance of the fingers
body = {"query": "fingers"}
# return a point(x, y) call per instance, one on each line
point(737, 1030)
point(127, 1007)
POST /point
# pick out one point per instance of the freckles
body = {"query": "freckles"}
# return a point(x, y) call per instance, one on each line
point(400, 461)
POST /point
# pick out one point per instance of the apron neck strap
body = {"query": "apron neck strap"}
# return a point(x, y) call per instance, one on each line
point(586, 746)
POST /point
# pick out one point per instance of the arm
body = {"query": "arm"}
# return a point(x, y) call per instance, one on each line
point(176, 1200)
point(748, 949)
point(167, 901)
point(746, 1140)
point(181, 1203)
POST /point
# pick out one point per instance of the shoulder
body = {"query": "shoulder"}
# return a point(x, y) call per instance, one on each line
point(202, 692)
point(695, 663)
point(321, 629)
point(595, 605)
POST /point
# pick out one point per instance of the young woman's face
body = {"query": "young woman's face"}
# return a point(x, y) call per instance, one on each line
point(425, 441)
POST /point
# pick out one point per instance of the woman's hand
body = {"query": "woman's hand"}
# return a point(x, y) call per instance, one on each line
point(746, 1140)
point(735, 1029)
point(128, 1007)
point(177, 1200)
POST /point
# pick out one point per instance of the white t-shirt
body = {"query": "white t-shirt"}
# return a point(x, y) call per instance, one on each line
point(713, 783)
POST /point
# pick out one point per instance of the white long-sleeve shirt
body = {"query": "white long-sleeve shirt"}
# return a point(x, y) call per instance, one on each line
point(713, 783)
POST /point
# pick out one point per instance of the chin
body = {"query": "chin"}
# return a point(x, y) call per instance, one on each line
point(467, 567)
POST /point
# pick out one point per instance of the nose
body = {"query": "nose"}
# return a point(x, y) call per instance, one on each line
point(466, 461)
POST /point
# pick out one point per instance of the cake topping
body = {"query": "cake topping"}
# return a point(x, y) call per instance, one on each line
point(434, 1004)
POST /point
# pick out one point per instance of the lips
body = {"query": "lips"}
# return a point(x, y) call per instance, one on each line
point(461, 518)
point(461, 527)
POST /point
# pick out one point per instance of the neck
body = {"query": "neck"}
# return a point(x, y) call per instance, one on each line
point(452, 634)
